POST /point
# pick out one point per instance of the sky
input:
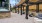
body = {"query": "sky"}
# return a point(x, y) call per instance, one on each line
point(12, 2)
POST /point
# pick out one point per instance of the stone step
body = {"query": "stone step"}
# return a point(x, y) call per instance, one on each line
point(5, 15)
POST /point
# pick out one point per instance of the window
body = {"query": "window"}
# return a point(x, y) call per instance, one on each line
point(14, 2)
point(4, 6)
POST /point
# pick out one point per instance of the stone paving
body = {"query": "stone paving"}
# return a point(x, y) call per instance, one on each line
point(17, 18)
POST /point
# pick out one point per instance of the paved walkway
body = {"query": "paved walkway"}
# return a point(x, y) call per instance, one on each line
point(17, 18)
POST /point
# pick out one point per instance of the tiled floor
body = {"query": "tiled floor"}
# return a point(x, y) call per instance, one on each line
point(17, 18)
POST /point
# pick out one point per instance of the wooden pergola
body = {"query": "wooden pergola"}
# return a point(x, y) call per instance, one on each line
point(28, 3)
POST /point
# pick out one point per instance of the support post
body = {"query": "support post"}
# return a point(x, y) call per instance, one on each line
point(27, 9)
point(37, 8)
point(21, 9)
point(18, 9)
point(15, 10)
